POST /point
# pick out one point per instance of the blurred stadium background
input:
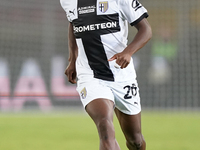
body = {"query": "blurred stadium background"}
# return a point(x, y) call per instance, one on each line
point(33, 58)
point(34, 53)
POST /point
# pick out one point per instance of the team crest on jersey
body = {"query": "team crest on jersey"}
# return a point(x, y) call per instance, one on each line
point(83, 93)
point(103, 6)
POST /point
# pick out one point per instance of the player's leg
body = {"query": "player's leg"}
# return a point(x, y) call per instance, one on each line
point(101, 111)
point(131, 127)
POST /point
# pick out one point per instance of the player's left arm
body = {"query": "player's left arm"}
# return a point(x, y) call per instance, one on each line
point(143, 35)
point(73, 52)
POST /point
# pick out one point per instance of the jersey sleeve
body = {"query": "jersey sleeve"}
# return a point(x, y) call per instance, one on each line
point(64, 4)
point(132, 11)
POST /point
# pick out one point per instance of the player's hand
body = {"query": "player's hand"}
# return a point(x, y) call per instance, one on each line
point(71, 73)
point(122, 59)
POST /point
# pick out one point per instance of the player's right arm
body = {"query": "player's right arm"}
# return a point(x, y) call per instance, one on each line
point(73, 52)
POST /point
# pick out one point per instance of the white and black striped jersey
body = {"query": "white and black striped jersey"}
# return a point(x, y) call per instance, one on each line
point(101, 30)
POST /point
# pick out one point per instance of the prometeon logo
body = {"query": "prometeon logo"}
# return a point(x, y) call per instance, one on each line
point(87, 9)
point(97, 26)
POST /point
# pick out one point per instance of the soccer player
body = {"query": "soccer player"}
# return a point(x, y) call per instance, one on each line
point(102, 62)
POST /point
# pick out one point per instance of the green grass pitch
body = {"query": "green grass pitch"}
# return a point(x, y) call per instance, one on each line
point(76, 131)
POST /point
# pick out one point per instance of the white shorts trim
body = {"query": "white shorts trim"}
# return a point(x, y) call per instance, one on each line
point(125, 95)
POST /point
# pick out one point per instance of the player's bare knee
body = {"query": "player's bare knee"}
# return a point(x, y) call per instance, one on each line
point(135, 142)
point(134, 145)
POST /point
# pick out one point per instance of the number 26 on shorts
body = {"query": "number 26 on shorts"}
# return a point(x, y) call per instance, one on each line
point(131, 91)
